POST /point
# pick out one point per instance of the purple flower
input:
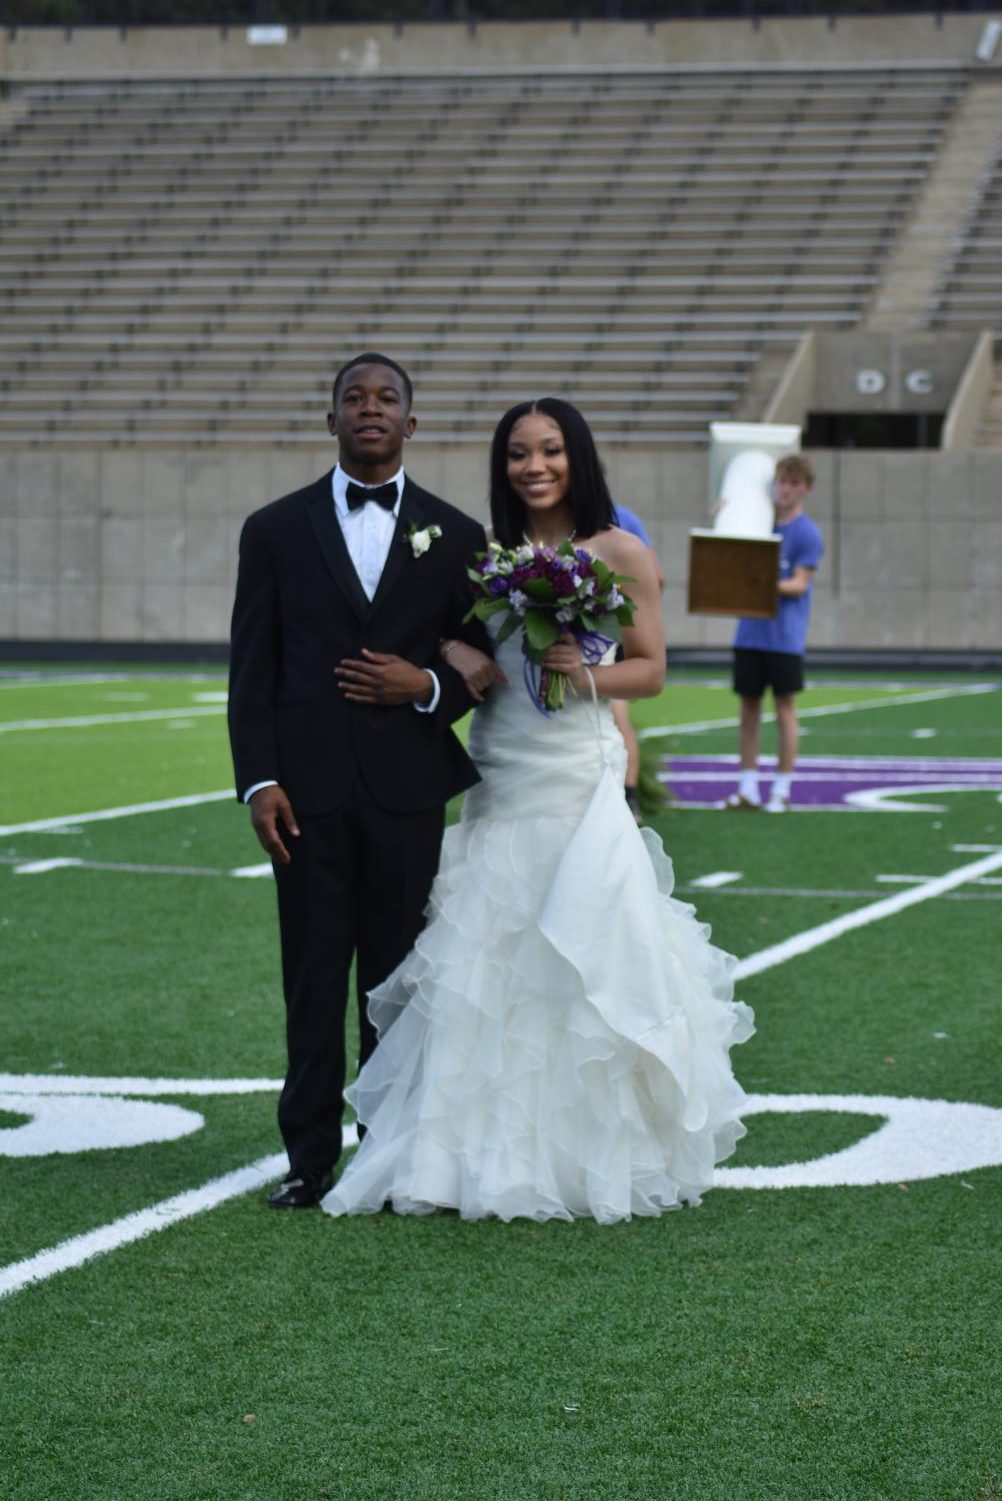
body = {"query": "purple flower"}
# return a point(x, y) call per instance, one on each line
point(498, 585)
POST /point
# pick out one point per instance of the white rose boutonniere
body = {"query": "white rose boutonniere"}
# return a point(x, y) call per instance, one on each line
point(421, 538)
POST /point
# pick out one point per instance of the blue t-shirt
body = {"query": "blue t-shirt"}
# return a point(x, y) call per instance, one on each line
point(631, 523)
point(802, 546)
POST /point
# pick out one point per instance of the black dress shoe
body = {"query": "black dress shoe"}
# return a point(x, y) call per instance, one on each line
point(300, 1192)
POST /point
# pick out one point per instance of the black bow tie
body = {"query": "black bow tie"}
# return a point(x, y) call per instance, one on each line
point(383, 495)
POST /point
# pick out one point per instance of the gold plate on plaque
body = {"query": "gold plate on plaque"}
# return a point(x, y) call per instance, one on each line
point(733, 575)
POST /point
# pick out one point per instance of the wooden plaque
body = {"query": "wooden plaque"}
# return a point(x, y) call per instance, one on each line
point(733, 575)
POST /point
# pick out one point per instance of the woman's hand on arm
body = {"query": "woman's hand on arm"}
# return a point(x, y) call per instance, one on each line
point(477, 670)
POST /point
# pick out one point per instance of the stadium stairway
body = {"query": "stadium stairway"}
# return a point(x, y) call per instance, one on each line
point(969, 291)
point(989, 434)
point(926, 254)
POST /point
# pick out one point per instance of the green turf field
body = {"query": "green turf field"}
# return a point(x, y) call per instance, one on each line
point(836, 1337)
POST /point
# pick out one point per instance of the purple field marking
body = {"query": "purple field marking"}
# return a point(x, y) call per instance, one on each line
point(828, 781)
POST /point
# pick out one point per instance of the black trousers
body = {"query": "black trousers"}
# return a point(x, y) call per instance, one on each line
point(357, 885)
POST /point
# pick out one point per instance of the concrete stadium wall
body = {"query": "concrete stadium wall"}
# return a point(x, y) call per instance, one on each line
point(353, 50)
point(140, 546)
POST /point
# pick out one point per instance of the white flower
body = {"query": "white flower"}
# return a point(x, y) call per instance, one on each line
point(566, 614)
point(421, 539)
point(615, 599)
point(525, 553)
point(518, 601)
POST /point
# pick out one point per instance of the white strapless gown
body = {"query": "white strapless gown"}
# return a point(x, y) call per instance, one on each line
point(556, 1044)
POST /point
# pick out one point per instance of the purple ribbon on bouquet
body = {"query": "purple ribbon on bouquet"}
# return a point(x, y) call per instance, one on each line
point(593, 648)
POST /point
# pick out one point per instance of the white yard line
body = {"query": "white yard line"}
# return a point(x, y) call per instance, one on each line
point(29, 679)
point(79, 1249)
point(42, 867)
point(918, 880)
point(697, 727)
point(21, 867)
point(131, 1085)
point(84, 679)
point(985, 892)
point(813, 938)
point(130, 716)
point(131, 1227)
point(70, 820)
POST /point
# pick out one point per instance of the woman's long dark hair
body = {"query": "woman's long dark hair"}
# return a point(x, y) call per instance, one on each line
point(588, 494)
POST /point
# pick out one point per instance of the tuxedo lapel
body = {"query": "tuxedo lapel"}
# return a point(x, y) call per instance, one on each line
point(320, 509)
point(411, 513)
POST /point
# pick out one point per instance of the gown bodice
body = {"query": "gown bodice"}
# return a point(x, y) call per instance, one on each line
point(533, 764)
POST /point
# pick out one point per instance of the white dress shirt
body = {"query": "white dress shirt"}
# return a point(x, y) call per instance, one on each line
point(368, 530)
point(368, 534)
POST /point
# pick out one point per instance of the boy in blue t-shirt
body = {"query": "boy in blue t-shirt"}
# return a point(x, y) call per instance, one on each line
point(770, 653)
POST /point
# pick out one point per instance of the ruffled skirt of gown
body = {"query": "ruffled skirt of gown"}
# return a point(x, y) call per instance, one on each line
point(556, 1044)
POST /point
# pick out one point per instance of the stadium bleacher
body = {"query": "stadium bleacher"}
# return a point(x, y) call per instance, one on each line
point(185, 261)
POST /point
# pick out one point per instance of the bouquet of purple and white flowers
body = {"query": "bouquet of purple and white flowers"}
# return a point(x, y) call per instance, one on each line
point(547, 591)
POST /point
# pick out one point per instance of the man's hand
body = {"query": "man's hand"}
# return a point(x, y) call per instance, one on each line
point(270, 807)
point(477, 670)
point(381, 678)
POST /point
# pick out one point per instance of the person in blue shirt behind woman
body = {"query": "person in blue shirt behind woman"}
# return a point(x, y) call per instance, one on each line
point(631, 522)
point(770, 653)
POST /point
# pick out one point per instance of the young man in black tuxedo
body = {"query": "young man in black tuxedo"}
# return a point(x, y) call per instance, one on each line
point(341, 703)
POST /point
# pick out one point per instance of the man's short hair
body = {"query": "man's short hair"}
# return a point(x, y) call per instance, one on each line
point(794, 467)
point(372, 358)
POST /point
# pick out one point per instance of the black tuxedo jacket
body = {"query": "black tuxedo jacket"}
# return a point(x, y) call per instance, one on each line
point(300, 609)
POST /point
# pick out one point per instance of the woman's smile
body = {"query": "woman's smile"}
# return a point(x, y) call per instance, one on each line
point(537, 486)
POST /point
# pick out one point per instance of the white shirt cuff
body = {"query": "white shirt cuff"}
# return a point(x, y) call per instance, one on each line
point(256, 788)
point(436, 694)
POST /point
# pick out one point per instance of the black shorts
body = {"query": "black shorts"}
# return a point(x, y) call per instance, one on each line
point(755, 671)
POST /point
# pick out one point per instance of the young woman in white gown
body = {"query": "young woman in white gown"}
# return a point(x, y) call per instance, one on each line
point(556, 1044)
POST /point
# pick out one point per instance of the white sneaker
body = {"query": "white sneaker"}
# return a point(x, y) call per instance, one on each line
point(777, 803)
point(737, 802)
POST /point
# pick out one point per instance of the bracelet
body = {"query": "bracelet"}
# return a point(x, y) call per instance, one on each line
point(445, 647)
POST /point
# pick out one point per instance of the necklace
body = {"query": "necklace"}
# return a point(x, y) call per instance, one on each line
point(529, 542)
